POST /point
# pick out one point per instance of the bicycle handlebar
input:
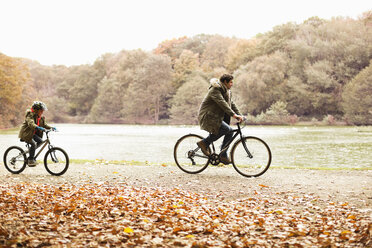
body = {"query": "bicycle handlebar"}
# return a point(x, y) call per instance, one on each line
point(242, 122)
point(50, 130)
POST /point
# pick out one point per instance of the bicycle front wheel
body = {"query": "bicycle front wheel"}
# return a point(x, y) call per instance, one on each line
point(251, 156)
point(56, 161)
point(188, 155)
point(15, 159)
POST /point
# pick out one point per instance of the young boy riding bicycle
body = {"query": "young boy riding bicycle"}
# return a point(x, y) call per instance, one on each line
point(32, 129)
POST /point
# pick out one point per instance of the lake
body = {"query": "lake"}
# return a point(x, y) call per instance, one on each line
point(305, 147)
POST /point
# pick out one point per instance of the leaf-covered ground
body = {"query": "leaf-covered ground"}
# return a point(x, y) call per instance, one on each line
point(118, 214)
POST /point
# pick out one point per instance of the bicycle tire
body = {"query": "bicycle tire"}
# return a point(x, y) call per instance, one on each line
point(253, 166)
point(188, 157)
point(9, 156)
point(51, 165)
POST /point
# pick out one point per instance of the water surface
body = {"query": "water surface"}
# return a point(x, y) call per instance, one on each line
point(330, 147)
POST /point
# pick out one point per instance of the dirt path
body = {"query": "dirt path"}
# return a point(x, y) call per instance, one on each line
point(340, 187)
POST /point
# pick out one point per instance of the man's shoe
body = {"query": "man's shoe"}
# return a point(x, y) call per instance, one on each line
point(31, 162)
point(203, 147)
point(225, 160)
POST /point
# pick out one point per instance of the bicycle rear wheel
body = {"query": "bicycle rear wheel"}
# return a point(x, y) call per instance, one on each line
point(15, 159)
point(188, 155)
point(251, 156)
point(56, 161)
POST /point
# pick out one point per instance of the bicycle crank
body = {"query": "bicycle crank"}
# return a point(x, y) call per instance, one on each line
point(214, 159)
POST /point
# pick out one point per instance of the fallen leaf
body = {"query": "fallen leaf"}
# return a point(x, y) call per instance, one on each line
point(128, 230)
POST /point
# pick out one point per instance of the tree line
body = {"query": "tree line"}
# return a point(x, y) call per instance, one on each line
point(319, 69)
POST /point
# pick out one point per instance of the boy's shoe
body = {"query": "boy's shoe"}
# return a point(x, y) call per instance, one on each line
point(203, 147)
point(225, 160)
point(31, 162)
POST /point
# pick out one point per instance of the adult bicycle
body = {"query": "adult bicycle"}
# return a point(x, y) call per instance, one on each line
point(56, 160)
point(250, 156)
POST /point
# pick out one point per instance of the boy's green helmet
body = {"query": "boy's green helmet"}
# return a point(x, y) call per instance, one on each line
point(39, 106)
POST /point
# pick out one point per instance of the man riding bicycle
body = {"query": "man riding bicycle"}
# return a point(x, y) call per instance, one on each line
point(32, 129)
point(215, 113)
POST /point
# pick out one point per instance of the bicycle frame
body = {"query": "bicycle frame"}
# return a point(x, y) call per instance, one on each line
point(236, 132)
point(44, 144)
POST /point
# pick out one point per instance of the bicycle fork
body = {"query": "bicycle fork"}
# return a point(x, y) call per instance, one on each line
point(53, 154)
point(249, 154)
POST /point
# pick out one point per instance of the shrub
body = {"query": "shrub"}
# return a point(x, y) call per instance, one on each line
point(329, 120)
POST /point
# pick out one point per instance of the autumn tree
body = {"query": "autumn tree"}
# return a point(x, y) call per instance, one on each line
point(185, 103)
point(240, 53)
point(84, 90)
point(119, 72)
point(108, 104)
point(345, 44)
point(173, 48)
point(323, 89)
point(296, 95)
point(259, 83)
point(148, 92)
point(197, 44)
point(277, 39)
point(215, 53)
point(44, 84)
point(357, 98)
point(137, 88)
point(13, 78)
point(187, 63)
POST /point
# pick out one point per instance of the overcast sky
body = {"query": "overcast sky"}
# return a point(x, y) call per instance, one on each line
point(73, 32)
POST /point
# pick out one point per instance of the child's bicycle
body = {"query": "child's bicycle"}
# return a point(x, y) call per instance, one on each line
point(56, 160)
point(250, 156)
